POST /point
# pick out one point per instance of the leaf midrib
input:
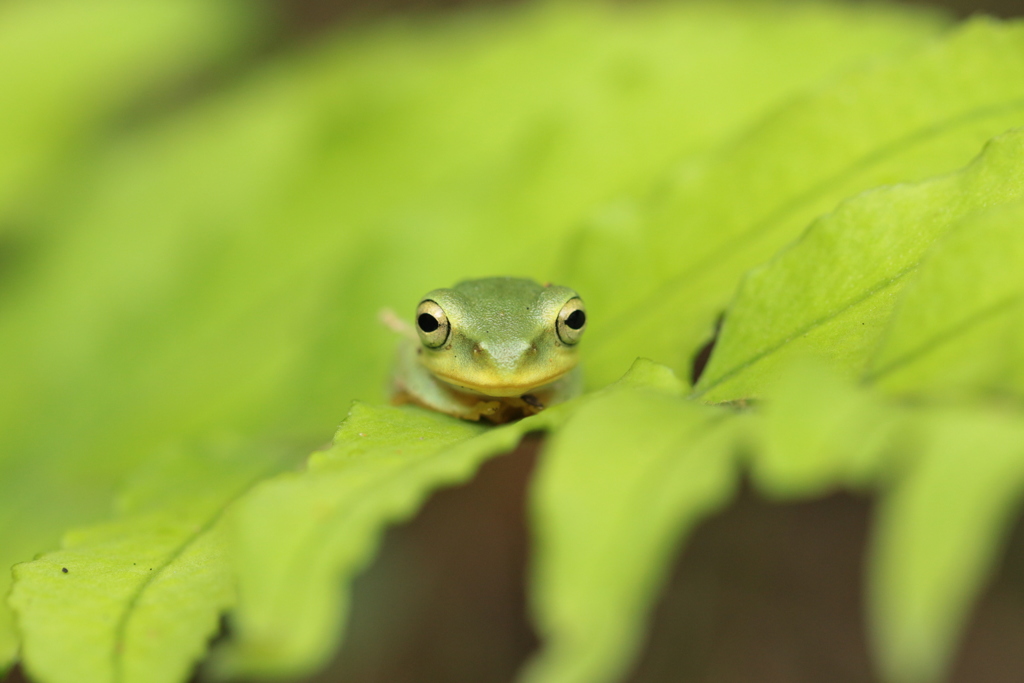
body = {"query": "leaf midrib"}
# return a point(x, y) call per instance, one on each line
point(946, 335)
point(809, 327)
point(763, 226)
point(121, 629)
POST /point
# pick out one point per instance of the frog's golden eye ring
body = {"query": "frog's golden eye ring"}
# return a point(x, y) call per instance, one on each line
point(572, 321)
point(432, 324)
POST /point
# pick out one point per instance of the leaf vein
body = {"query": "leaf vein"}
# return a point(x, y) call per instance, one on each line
point(831, 315)
point(121, 630)
point(776, 216)
point(948, 334)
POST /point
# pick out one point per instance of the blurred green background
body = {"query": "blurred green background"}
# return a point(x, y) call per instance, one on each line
point(203, 206)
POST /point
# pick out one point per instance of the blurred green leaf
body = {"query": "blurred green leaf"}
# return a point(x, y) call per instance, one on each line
point(300, 537)
point(817, 432)
point(958, 329)
point(831, 294)
point(137, 598)
point(949, 480)
point(940, 530)
point(632, 471)
point(67, 67)
point(898, 121)
point(354, 177)
point(618, 488)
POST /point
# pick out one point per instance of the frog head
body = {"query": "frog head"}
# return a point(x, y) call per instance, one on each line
point(500, 336)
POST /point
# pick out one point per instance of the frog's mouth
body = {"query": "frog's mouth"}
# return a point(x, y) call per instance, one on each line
point(500, 388)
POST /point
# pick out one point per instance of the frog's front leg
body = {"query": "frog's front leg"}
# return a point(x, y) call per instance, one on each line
point(412, 383)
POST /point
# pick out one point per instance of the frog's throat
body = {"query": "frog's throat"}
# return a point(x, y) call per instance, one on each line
point(500, 389)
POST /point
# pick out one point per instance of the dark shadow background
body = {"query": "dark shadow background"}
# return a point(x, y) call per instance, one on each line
point(302, 18)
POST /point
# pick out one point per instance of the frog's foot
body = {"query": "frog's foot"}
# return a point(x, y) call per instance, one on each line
point(472, 409)
point(515, 408)
point(496, 410)
point(487, 410)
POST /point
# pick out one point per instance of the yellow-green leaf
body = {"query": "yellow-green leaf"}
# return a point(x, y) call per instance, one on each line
point(831, 295)
point(618, 489)
point(901, 120)
point(958, 330)
point(939, 534)
point(136, 599)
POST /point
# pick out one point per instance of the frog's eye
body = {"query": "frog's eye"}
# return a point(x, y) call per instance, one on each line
point(572, 320)
point(432, 324)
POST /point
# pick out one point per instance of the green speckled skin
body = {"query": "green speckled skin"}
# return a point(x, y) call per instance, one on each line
point(503, 357)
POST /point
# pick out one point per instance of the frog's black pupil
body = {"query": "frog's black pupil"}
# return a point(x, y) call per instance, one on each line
point(576, 320)
point(428, 323)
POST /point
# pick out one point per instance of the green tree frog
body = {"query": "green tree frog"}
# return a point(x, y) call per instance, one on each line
point(499, 348)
